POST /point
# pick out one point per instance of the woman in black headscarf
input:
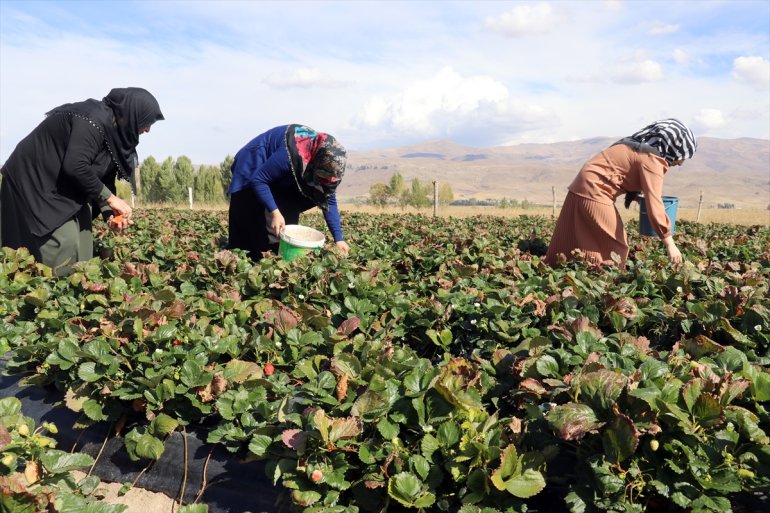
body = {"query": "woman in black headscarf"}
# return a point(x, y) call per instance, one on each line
point(67, 163)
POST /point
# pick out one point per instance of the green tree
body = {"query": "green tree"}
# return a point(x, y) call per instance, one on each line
point(226, 172)
point(148, 171)
point(164, 187)
point(416, 195)
point(379, 193)
point(396, 184)
point(183, 172)
point(445, 194)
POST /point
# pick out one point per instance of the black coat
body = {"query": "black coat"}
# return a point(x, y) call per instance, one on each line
point(57, 169)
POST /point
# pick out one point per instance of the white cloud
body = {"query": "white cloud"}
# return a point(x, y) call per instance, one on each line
point(451, 105)
point(638, 72)
point(303, 78)
point(709, 119)
point(754, 70)
point(523, 20)
point(681, 56)
point(659, 29)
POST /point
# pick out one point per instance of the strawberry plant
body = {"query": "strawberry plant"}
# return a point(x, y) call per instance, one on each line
point(445, 368)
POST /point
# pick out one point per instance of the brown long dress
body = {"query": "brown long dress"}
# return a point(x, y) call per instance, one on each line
point(589, 220)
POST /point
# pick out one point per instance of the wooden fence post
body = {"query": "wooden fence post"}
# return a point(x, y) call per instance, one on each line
point(700, 204)
point(553, 195)
point(435, 197)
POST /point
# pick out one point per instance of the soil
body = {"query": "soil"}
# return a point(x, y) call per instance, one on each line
point(138, 500)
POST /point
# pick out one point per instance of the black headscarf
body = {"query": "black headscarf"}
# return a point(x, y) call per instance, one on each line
point(119, 117)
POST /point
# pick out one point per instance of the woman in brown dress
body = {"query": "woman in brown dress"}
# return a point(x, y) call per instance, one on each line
point(589, 220)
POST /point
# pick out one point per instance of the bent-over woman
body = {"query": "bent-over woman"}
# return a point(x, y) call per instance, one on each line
point(67, 163)
point(589, 220)
point(278, 175)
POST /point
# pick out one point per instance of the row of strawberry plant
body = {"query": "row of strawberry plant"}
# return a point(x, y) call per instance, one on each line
point(443, 368)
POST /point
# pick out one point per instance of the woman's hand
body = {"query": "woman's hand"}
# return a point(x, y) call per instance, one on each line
point(118, 223)
point(343, 247)
point(674, 255)
point(277, 222)
point(119, 206)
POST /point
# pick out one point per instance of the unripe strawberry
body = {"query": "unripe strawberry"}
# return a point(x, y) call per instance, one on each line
point(8, 460)
point(654, 444)
point(23, 429)
point(748, 474)
point(317, 476)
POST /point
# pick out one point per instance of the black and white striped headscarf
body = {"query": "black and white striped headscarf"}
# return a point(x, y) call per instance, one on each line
point(670, 137)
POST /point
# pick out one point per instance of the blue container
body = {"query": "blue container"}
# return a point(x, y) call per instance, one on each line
point(670, 203)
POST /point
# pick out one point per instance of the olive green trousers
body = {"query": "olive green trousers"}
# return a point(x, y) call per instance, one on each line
point(71, 242)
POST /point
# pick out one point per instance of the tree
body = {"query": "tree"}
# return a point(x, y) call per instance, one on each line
point(379, 194)
point(396, 184)
point(207, 186)
point(183, 172)
point(150, 169)
point(164, 187)
point(226, 172)
point(416, 195)
point(445, 194)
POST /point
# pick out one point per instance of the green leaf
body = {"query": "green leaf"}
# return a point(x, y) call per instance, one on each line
point(760, 386)
point(194, 508)
point(573, 420)
point(529, 483)
point(9, 406)
point(370, 405)
point(20, 502)
point(37, 297)
point(388, 430)
point(143, 445)
point(239, 371)
point(163, 425)
point(259, 444)
point(601, 389)
point(691, 391)
point(510, 465)
point(56, 461)
point(647, 394)
point(707, 411)
point(407, 489)
point(547, 366)
point(88, 373)
point(429, 445)
point(448, 434)
point(419, 465)
point(619, 439)
point(306, 497)
point(94, 410)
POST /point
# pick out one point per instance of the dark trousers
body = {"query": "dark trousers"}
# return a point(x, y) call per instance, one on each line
point(249, 223)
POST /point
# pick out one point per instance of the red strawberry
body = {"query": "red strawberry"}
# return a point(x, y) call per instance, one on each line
point(269, 369)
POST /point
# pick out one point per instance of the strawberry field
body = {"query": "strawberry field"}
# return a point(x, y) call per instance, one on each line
point(441, 367)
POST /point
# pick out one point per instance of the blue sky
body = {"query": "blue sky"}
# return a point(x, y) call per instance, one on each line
point(381, 74)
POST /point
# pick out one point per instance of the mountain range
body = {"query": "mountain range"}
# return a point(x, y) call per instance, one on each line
point(727, 171)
